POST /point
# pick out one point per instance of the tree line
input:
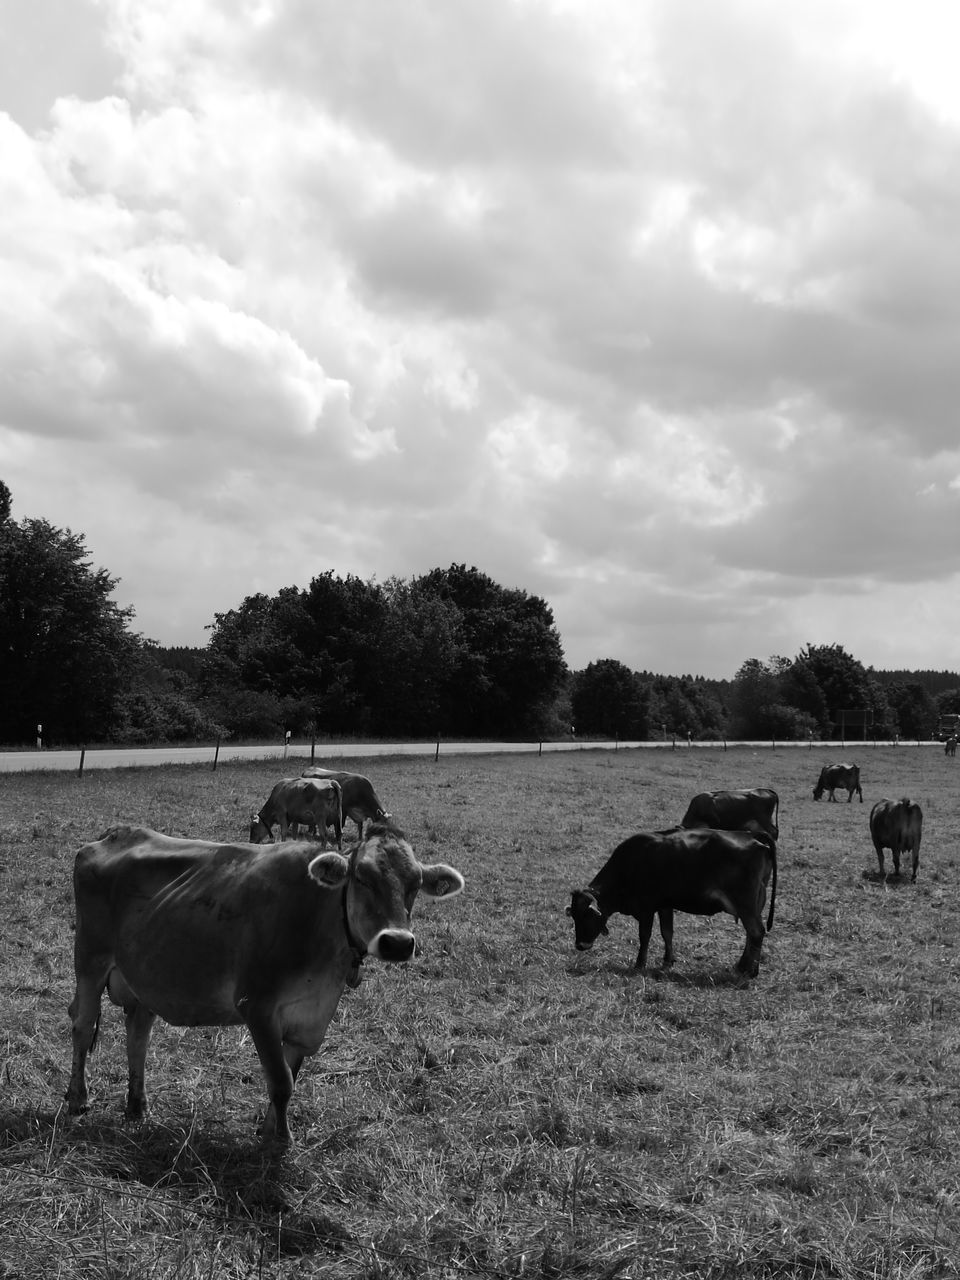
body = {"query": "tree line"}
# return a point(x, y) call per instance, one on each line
point(448, 653)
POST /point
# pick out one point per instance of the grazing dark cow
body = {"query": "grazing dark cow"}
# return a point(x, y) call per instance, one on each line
point(699, 871)
point(834, 776)
point(294, 802)
point(204, 934)
point(950, 747)
point(753, 810)
point(897, 825)
point(360, 801)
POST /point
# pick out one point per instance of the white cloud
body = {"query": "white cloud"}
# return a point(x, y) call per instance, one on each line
point(648, 308)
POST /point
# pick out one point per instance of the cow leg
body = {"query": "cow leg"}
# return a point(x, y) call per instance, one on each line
point(749, 962)
point(279, 1077)
point(666, 933)
point(896, 860)
point(880, 858)
point(139, 1022)
point(645, 923)
point(84, 1013)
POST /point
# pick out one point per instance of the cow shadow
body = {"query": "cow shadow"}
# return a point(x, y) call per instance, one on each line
point(241, 1183)
point(701, 978)
point(894, 879)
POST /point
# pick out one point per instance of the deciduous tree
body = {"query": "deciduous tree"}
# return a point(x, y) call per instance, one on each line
point(66, 652)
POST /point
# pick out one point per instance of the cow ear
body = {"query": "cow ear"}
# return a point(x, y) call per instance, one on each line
point(441, 881)
point(329, 870)
point(569, 911)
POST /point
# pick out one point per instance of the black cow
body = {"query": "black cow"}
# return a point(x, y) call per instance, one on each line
point(950, 746)
point(752, 810)
point(699, 871)
point(897, 825)
point(834, 776)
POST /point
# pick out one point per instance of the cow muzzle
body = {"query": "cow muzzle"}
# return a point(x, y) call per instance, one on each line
point(584, 946)
point(392, 945)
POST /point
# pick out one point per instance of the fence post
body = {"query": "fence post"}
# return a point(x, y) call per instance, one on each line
point(436, 754)
point(83, 752)
point(216, 755)
point(540, 751)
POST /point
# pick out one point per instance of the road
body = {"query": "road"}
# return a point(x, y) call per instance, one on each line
point(299, 754)
point(131, 757)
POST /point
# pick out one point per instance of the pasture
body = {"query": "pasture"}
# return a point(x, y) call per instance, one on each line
point(505, 1106)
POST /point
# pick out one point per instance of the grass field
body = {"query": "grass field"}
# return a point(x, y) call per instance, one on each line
point(504, 1106)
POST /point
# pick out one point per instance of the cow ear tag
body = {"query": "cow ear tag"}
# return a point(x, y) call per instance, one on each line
point(440, 881)
point(329, 870)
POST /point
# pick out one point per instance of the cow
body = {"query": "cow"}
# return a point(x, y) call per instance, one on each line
point(753, 810)
point(699, 870)
point(833, 776)
point(312, 802)
point(950, 746)
point(207, 934)
point(897, 825)
point(360, 801)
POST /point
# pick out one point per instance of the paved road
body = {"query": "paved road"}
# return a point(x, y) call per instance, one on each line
point(125, 758)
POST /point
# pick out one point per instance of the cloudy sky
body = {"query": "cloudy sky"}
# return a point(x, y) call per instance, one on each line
point(648, 307)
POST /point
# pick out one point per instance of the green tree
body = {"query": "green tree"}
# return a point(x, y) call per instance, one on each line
point(756, 688)
point(418, 652)
point(948, 702)
point(684, 705)
point(511, 665)
point(608, 699)
point(770, 700)
point(6, 503)
point(915, 709)
point(842, 680)
point(66, 653)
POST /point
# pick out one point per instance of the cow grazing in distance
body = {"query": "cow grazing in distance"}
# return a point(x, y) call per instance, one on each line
point(897, 825)
point(836, 776)
point(205, 934)
point(700, 871)
point(360, 801)
point(751, 810)
point(296, 802)
point(950, 747)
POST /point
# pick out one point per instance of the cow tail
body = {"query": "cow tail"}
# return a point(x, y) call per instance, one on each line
point(773, 891)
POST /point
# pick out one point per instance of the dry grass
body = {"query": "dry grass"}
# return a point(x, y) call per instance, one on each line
point(503, 1106)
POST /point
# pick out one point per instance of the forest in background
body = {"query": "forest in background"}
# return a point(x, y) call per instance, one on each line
point(449, 653)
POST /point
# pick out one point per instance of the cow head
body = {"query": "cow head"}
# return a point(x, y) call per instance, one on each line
point(382, 878)
point(588, 920)
point(260, 833)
